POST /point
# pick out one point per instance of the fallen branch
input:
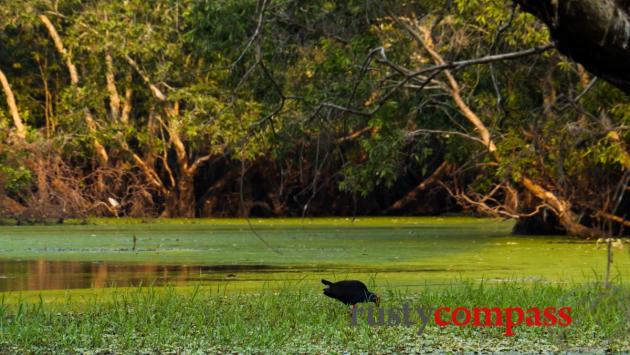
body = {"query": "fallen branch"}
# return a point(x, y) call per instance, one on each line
point(413, 194)
point(614, 218)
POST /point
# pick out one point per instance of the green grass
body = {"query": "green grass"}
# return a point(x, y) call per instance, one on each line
point(280, 309)
point(297, 319)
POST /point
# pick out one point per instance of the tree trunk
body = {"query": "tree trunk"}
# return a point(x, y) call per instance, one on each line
point(560, 206)
point(101, 153)
point(181, 201)
point(20, 130)
point(594, 33)
point(127, 106)
point(186, 201)
point(562, 209)
point(114, 97)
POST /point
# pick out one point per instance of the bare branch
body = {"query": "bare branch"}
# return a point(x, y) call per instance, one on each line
point(257, 32)
point(148, 171)
point(413, 194)
point(199, 162)
point(614, 218)
point(424, 38)
point(353, 135)
point(437, 131)
point(154, 89)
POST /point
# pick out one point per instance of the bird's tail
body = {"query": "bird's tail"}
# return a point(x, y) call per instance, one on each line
point(326, 282)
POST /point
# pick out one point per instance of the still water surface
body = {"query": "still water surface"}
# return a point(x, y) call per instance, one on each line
point(409, 252)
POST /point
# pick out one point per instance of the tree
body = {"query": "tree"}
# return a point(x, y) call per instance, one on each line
point(199, 107)
point(524, 166)
point(20, 129)
point(595, 34)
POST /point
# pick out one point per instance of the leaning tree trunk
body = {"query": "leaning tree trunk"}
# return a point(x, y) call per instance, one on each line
point(101, 152)
point(560, 206)
point(20, 129)
point(594, 33)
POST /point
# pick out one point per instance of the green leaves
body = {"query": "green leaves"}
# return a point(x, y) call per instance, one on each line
point(15, 178)
point(295, 82)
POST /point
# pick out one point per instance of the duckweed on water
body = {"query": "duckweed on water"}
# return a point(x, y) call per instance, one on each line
point(404, 252)
point(236, 295)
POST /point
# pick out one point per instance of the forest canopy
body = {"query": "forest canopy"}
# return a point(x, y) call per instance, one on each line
point(198, 108)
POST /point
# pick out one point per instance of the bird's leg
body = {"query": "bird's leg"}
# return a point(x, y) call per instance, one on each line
point(352, 310)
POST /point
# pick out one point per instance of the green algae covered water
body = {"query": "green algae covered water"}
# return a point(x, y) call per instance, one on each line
point(240, 254)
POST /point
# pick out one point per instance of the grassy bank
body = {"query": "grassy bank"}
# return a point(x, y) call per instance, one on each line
point(264, 222)
point(299, 319)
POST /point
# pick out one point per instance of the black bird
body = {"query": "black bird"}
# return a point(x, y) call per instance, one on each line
point(350, 292)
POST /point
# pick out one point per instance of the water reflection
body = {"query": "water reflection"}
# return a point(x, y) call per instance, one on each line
point(47, 275)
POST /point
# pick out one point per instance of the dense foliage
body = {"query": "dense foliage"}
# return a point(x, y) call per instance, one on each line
point(213, 108)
